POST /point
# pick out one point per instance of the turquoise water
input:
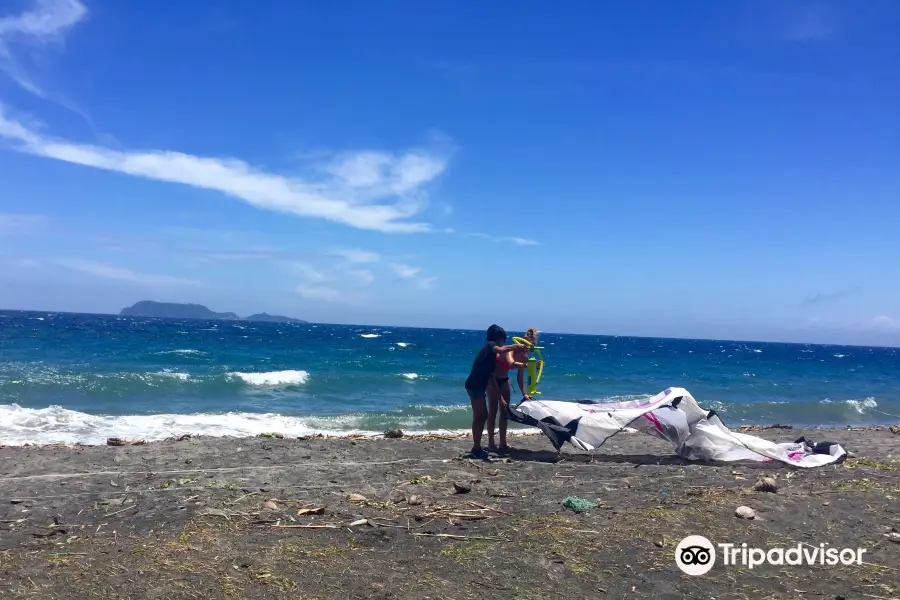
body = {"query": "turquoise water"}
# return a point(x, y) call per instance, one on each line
point(68, 378)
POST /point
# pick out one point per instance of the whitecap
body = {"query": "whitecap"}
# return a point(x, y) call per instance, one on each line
point(273, 377)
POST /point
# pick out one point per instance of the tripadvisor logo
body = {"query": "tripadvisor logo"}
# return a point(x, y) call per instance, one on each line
point(696, 555)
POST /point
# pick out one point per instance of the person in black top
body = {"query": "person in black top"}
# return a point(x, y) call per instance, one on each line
point(478, 380)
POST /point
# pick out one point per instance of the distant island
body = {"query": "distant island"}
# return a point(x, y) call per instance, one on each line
point(172, 310)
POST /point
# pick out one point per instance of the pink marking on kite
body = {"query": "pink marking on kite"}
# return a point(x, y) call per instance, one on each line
point(795, 456)
point(652, 418)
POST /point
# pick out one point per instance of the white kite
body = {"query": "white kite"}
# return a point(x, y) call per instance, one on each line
point(672, 415)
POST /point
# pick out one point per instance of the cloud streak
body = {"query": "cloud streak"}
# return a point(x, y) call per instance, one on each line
point(106, 271)
point(518, 241)
point(819, 298)
point(353, 255)
point(13, 222)
point(43, 25)
point(36, 29)
point(378, 200)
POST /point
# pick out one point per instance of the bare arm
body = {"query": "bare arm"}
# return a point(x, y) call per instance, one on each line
point(512, 362)
point(508, 348)
point(520, 378)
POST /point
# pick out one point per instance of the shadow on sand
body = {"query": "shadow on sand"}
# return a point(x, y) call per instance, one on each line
point(638, 460)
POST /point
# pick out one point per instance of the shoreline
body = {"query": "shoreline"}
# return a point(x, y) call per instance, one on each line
point(414, 518)
point(519, 431)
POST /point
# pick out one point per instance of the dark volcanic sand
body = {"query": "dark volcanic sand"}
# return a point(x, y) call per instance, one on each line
point(186, 519)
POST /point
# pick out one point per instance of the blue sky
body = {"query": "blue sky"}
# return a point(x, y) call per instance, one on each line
point(688, 169)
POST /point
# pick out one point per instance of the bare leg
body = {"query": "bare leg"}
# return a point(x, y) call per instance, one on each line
point(493, 401)
point(506, 390)
point(479, 416)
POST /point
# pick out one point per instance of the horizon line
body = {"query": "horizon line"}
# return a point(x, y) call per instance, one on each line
point(602, 335)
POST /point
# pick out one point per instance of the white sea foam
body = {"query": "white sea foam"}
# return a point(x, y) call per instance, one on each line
point(409, 375)
point(57, 425)
point(273, 377)
point(369, 335)
point(840, 355)
point(174, 375)
point(186, 351)
point(860, 405)
point(403, 344)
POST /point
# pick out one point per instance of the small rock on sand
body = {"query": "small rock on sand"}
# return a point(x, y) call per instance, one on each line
point(745, 512)
point(397, 497)
point(269, 505)
point(393, 434)
point(461, 488)
point(356, 498)
point(414, 500)
point(766, 484)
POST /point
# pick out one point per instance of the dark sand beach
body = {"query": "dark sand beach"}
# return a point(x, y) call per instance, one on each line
point(271, 518)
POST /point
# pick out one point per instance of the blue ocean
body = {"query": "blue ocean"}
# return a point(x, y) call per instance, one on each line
point(67, 378)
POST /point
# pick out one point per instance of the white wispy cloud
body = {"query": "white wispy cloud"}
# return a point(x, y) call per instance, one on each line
point(320, 292)
point(307, 272)
point(885, 323)
point(107, 271)
point(14, 222)
point(331, 284)
point(518, 241)
point(24, 36)
point(349, 199)
point(44, 24)
point(414, 275)
point(425, 283)
point(521, 241)
point(404, 271)
point(354, 255)
point(362, 276)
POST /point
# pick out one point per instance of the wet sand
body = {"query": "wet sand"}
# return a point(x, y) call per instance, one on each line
point(274, 518)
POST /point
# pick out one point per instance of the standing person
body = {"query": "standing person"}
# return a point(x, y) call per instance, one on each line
point(500, 389)
point(478, 380)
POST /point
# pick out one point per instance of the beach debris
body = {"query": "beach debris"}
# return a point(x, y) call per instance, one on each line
point(269, 505)
point(745, 512)
point(414, 500)
point(577, 504)
point(357, 498)
point(16, 501)
point(763, 427)
point(319, 510)
point(359, 522)
point(114, 441)
point(112, 502)
point(893, 536)
point(397, 496)
point(215, 512)
point(895, 429)
point(766, 484)
point(461, 488)
point(393, 434)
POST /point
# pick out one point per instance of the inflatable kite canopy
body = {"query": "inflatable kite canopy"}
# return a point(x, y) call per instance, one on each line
point(672, 415)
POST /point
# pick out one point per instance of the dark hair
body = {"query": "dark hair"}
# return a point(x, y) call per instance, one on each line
point(495, 333)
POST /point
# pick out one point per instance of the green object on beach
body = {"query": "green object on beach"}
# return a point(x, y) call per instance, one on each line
point(578, 504)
